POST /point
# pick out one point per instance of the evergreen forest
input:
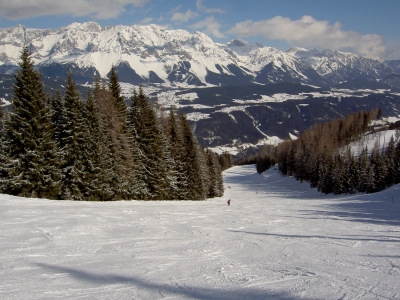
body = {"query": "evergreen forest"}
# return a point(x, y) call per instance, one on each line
point(64, 146)
point(322, 156)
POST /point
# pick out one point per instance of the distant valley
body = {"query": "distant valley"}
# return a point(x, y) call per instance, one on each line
point(236, 94)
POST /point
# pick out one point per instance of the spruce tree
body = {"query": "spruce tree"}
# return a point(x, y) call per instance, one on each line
point(138, 187)
point(362, 167)
point(76, 152)
point(177, 154)
point(104, 110)
point(214, 188)
point(325, 183)
point(116, 116)
point(338, 175)
point(159, 172)
point(34, 158)
point(350, 179)
point(58, 118)
point(4, 161)
point(119, 101)
point(380, 170)
point(397, 162)
point(193, 170)
point(389, 157)
point(95, 183)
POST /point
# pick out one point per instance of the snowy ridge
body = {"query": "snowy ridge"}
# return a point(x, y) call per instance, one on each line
point(182, 57)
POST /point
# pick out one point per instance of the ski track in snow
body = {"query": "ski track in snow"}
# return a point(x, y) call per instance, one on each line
point(279, 239)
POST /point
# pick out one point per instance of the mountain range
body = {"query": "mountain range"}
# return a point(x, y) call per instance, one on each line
point(234, 93)
point(151, 54)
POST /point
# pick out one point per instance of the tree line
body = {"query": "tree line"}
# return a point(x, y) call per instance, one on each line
point(66, 147)
point(322, 156)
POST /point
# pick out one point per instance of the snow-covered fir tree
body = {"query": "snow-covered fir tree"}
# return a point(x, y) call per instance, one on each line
point(159, 175)
point(66, 147)
point(177, 154)
point(192, 160)
point(33, 158)
point(75, 147)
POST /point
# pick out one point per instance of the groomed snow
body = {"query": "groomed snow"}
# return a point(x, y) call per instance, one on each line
point(279, 239)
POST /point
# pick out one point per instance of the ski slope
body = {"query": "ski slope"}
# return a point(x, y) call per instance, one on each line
point(278, 239)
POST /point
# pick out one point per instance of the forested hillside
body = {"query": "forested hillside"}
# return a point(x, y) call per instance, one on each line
point(322, 156)
point(66, 147)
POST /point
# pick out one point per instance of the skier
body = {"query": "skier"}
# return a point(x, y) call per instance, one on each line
point(229, 202)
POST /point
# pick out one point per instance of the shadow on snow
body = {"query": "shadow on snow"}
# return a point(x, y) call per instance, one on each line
point(381, 208)
point(186, 291)
point(358, 238)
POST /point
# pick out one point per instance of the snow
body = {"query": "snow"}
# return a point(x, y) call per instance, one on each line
point(238, 146)
point(4, 102)
point(229, 109)
point(196, 116)
point(381, 138)
point(392, 119)
point(279, 239)
point(279, 97)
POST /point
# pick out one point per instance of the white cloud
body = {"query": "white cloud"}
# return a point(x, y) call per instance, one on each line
point(146, 21)
point(309, 32)
point(210, 27)
point(179, 17)
point(100, 9)
point(201, 7)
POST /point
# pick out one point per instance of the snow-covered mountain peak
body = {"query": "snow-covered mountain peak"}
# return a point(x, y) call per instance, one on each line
point(237, 43)
point(296, 51)
point(90, 27)
point(178, 55)
point(265, 55)
point(241, 47)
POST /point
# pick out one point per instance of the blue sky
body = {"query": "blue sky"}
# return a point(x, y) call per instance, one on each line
point(366, 27)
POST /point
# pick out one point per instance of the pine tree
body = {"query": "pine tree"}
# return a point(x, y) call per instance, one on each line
point(159, 175)
point(177, 154)
point(325, 183)
point(116, 116)
point(193, 170)
point(389, 157)
point(397, 163)
point(362, 170)
point(58, 118)
point(4, 161)
point(338, 175)
point(103, 106)
point(95, 185)
point(214, 188)
point(350, 179)
point(225, 161)
point(76, 151)
point(34, 158)
point(380, 170)
point(138, 188)
point(119, 101)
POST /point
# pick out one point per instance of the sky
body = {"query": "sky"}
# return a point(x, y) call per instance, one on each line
point(370, 28)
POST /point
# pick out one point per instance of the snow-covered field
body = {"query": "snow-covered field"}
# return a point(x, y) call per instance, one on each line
point(279, 239)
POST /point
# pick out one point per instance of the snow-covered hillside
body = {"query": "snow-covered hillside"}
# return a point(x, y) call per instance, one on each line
point(279, 239)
